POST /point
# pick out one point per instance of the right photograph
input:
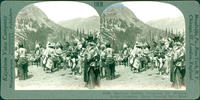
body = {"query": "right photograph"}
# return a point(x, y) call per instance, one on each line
point(148, 42)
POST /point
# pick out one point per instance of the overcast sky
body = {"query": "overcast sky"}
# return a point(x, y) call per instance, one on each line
point(65, 10)
point(144, 10)
point(149, 10)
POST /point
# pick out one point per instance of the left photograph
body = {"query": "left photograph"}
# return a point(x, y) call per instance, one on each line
point(50, 41)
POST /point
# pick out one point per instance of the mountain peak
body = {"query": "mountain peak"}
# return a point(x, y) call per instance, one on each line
point(120, 12)
point(32, 11)
point(32, 25)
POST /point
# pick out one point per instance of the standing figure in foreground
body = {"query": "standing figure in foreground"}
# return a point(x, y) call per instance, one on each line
point(93, 73)
point(58, 56)
point(132, 56)
point(125, 55)
point(102, 61)
point(177, 75)
point(136, 63)
point(22, 63)
point(110, 63)
point(48, 60)
point(37, 55)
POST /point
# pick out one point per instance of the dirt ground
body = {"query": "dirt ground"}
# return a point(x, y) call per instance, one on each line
point(63, 80)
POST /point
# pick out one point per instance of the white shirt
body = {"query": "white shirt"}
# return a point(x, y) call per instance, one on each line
point(22, 52)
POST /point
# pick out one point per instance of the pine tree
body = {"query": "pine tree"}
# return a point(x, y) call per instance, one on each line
point(172, 32)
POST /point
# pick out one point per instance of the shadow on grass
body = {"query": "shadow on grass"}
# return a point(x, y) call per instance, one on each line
point(117, 76)
point(30, 76)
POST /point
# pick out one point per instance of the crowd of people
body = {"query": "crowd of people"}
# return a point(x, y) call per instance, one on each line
point(96, 60)
point(85, 57)
point(167, 56)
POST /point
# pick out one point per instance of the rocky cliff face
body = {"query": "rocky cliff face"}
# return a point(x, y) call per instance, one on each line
point(33, 26)
point(119, 25)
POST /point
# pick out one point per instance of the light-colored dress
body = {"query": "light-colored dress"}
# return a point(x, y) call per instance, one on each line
point(137, 63)
point(50, 54)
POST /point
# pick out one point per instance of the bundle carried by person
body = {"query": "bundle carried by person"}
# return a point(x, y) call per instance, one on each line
point(93, 58)
point(93, 55)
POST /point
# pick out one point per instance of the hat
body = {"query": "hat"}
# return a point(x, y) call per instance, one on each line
point(108, 44)
point(90, 39)
point(20, 45)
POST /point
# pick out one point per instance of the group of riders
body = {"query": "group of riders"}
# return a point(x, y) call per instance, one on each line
point(95, 60)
